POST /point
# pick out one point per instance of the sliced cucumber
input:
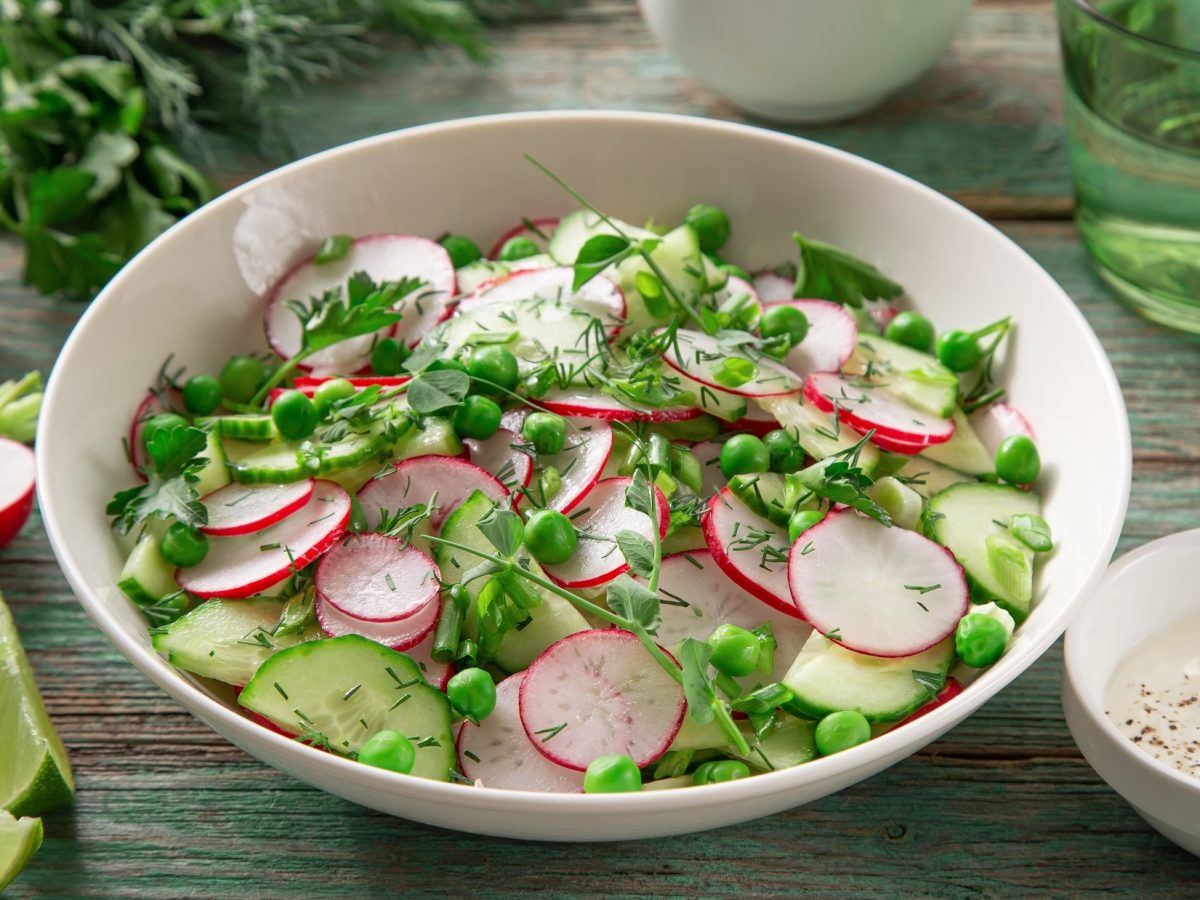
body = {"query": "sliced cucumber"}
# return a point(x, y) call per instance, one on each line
point(228, 639)
point(432, 436)
point(474, 274)
point(927, 477)
point(575, 229)
point(772, 495)
point(971, 520)
point(288, 461)
point(553, 619)
point(721, 404)
point(146, 576)
point(242, 428)
point(692, 736)
point(790, 742)
point(902, 502)
point(826, 678)
point(815, 431)
point(346, 689)
point(909, 374)
point(964, 451)
point(215, 473)
point(684, 266)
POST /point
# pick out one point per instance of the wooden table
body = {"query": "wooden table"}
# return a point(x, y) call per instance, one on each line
point(1004, 803)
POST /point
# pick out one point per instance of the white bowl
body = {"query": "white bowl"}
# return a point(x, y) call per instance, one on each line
point(195, 292)
point(1142, 594)
point(805, 60)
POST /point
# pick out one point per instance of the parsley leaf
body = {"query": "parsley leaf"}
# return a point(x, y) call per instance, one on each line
point(833, 274)
point(170, 489)
point(359, 308)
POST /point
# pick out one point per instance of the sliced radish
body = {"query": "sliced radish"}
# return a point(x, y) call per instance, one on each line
point(580, 462)
point(600, 296)
point(384, 257)
point(499, 457)
point(246, 508)
point(418, 480)
point(952, 689)
point(498, 754)
point(249, 563)
point(16, 487)
point(376, 578)
point(898, 427)
point(756, 421)
point(697, 596)
point(712, 479)
point(400, 635)
point(544, 225)
point(873, 589)
point(881, 312)
point(830, 341)
point(749, 549)
point(600, 692)
point(597, 559)
point(592, 403)
point(309, 383)
point(151, 406)
point(701, 356)
point(997, 422)
point(773, 287)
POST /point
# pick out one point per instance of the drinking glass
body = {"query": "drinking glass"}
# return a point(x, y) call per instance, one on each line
point(1132, 71)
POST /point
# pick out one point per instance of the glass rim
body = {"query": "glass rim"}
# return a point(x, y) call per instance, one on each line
point(1088, 9)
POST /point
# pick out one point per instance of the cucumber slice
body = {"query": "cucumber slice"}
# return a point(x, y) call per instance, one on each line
point(927, 477)
point(721, 404)
point(826, 678)
point(902, 502)
point(242, 428)
point(288, 461)
point(575, 229)
point(551, 621)
point(228, 639)
point(790, 742)
point(964, 451)
point(679, 258)
point(472, 275)
point(999, 568)
point(815, 431)
point(348, 688)
point(909, 374)
point(432, 436)
point(770, 495)
point(146, 576)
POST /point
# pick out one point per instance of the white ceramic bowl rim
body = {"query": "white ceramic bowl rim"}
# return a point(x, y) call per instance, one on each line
point(920, 732)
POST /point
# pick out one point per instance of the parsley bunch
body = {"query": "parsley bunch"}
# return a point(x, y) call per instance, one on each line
point(173, 470)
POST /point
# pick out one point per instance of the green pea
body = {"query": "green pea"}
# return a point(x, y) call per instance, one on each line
point(1017, 459)
point(184, 546)
point(330, 392)
point(687, 469)
point(786, 455)
point(463, 251)
point(388, 750)
point(744, 454)
point(784, 321)
point(161, 422)
point(801, 521)
point(446, 365)
point(550, 537)
point(842, 730)
point(295, 415)
point(734, 650)
point(388, 356)
point(241, 378)
point(477, 417)
point(912, 330)
point(519, 247)
point(719, 770)
point(615, 773)
point(494, 366)
point(711, 225)
point(202, 394)
point(472, 693)
point(958, 351)
point(980, 640)
point(546, 431)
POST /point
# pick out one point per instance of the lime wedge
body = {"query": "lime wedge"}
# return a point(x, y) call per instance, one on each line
point(35, 776)
point(19, 840)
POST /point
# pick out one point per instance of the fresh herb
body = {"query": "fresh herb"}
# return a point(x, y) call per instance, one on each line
point(982, 393)
point(833, 274)
point(840, 479)
point(548, 734)
point(1032, 531)
point(332, 249)
point(922, 589)
point(172, 474)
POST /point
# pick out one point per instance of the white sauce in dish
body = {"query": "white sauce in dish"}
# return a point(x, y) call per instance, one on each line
point(1154, 696)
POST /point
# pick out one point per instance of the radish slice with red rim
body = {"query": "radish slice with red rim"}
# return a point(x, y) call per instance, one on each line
point(599, 692)
point(708, 360)
point(830, 341)
point(597, 559)
point(499, 457)
point(752, 551)
point(540, 234)
point(881, 312)
point(418, 480)
point(580, 462)
point(377, 578)
point(593, 403)
point(17, 471)
point(246, 508)
point(997, 422)
point(249, 563)
point(773, 287)
point(873, 589)
point(898, 427)
point(384, 257)
point(399, 635)
point(498, 753)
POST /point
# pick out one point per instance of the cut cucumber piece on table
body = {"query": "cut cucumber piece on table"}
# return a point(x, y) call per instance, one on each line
point(19, 841)
point(816, 432)
point(826, 678)
point(35, 774)
point(228, 639)
point(146, 576)
point(345, 689)
point(964, 451)
point(909, 374)
point(965, 519)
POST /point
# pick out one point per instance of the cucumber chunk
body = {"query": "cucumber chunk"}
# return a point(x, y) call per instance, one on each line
point(215, 473)
point(826, 678)
point(288, 461)
point(927, 477)
point(346, 689)
point(228, 639)
point(242, 428)
point(815, 431)
point(790, 742)
point(679, 258)
point(964, 451)
point(909, 374)
point(964, 518)
point(575, 229)
point(146, 576)
point(432, 436)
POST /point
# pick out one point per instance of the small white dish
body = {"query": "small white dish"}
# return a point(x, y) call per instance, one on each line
point(805, 60)
point(1142, 594)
